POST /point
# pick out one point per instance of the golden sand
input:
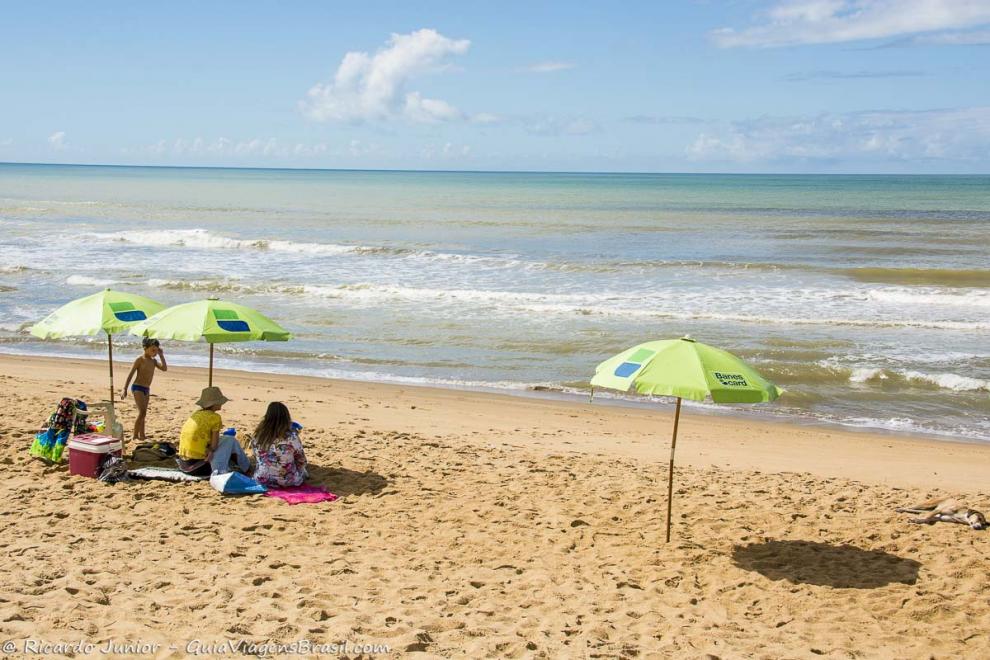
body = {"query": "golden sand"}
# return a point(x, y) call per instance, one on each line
point(477, 525)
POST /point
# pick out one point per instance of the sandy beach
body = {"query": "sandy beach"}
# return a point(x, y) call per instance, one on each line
point(480, 525)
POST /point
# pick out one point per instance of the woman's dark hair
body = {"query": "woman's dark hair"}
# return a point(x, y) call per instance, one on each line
point(148, 342)
point(274, 425)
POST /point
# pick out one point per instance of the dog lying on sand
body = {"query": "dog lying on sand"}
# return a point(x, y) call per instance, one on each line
point(946, 509)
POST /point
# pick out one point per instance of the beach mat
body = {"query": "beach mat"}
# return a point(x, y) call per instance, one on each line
point(302, 494)
point(163, 474)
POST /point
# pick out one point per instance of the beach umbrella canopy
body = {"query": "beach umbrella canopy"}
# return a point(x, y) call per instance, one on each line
point(107, 312)
point(686, 369)
point(214, 321)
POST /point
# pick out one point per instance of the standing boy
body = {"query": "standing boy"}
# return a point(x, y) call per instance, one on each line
point(143, 372)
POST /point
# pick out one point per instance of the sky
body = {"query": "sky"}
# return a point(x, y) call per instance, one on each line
point(896, 86)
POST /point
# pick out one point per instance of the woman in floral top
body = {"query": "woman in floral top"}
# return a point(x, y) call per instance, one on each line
point(278, 450)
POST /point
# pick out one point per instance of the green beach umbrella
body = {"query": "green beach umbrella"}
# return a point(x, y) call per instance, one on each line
point(107, 312)
point(686, 369)
point(214, 321)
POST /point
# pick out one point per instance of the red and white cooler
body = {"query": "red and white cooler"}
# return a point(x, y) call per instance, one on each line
point(87, 450)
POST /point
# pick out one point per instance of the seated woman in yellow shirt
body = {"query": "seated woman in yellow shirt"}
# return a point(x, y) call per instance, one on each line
point(201, 450)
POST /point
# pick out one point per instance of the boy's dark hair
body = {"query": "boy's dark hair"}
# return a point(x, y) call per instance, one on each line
point(274, 426)
point(148, 342)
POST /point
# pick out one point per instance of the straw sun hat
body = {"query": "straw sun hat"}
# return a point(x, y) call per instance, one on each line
point(211, 396)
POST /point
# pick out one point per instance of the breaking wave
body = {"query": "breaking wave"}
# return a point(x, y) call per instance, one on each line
point(946, 381)
point(83, 280)
point(930, 296)
point(203, 239)
point(580, 304)
point(207, 240)
point(953, 382)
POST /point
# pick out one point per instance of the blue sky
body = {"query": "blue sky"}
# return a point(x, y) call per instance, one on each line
point(747, 86)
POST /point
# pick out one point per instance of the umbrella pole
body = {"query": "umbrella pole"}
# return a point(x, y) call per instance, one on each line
point(211, 364)
point(110, 362)
point(670, 471)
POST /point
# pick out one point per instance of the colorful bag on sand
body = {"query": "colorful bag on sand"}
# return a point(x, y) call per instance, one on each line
point(235, 483)
point(49, 444)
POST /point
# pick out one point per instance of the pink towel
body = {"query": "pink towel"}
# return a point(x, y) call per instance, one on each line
point(302, 494)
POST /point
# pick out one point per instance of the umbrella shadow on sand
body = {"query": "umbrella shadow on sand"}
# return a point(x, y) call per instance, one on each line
point(822, 564)
point(343, 482)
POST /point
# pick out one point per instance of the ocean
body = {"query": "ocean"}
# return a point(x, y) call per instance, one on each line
point(866, 297)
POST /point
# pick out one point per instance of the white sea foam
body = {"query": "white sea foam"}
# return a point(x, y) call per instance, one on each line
point(950, 381)
point(930, 296)
point(903, 424)
point(501, 261)
point(206, 240)
point(227, 284)
point(684, 312)
point(376, 292)
point(686, 307)
point(83, 280)
point(203, 239)
point(864, 374)
point(979, 432)
point(55, 202)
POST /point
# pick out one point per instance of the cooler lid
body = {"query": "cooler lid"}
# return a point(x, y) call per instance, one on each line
point(94, 442)
point(93, 439)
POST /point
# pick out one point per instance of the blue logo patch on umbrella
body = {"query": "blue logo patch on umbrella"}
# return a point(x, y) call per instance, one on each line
point(228, 320)
point(633, 363)
point(124, 311)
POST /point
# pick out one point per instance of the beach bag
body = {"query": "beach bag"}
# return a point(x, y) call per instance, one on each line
point(68, 419)
point(113, 469)
point(154, 451)
point(235, 483)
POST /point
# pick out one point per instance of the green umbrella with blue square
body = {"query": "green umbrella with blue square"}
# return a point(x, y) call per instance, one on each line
point(106, 312)
point(685, 369)
point(214, 321)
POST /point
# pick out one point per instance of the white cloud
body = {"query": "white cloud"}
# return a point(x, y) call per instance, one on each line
point(429, 110)
point(663, 119)
point(960, 135)
point(580, 126)
point(808, 76)
point(793, 22)
point(373, 87)
point(445, 152)
point(553, 126)
point(486, 118)
point(551, 66)
point(962, 38)
point(57, 140)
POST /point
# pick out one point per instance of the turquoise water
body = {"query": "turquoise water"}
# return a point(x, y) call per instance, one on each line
point(867, 297)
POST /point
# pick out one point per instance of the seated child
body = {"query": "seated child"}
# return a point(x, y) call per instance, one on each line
point(201, 450)
point(278, 450)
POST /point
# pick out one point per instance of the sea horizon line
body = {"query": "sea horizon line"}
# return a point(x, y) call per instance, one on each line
point(384, 170)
